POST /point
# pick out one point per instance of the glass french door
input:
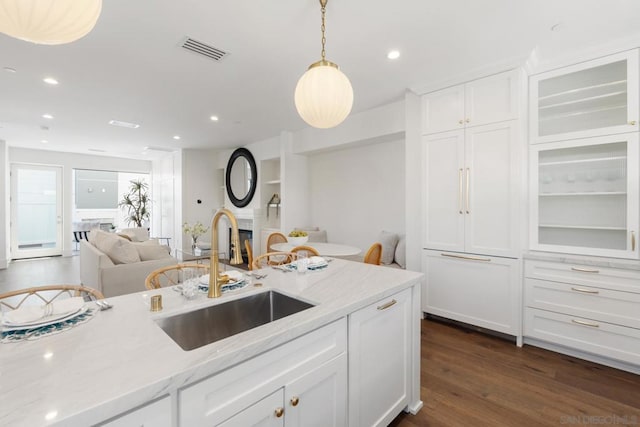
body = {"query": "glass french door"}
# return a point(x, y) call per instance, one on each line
point(36, 211)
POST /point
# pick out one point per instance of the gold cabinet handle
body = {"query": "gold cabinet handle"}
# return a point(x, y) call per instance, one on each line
point(585, 291)
point(632, 122)
point(583, 323)
point(467, 196)
point(387, 305)
point(279, 412)
point(585, 270)
point(468, 258)
point(633, 241)
point(460, 190)
point(294, 401)
point(467, 120)
point(460, 121)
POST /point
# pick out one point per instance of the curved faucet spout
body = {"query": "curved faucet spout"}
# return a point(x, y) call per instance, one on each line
point(215, 281)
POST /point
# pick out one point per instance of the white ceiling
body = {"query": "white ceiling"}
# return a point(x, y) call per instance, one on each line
point(131, 66)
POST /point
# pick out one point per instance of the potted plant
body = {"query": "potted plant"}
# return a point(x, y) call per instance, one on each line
point(136, 203)
point(195, 231)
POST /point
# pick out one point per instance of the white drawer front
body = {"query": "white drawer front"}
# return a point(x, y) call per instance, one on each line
point(601, 277)
point(622, 308)
point(613, 341)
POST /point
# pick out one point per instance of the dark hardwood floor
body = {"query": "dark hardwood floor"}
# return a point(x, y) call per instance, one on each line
point(473, 379)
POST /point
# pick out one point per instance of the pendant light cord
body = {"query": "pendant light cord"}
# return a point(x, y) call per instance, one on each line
point(322, 27)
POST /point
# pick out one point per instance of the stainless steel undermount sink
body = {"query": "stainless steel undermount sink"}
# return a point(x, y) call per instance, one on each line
point(209, 324)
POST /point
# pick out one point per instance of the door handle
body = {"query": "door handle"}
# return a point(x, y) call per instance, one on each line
point(469, 258)
point(583, 323)
point(633, 241)
point(585, 291)
point(460, 190)
point(585, 270)
point(467, 196)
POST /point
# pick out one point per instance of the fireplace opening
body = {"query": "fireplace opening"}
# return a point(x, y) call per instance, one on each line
point(244, 235)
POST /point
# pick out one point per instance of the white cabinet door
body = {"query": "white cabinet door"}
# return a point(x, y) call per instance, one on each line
point(443, 191)
point(443, 110)
point(491, 189)
point(488, 100)
point(379, 361)
point(599, 97)
point(584, 196)
point(268, 412)
point(319, 398)
point(478, 290)
point(492, 99)
point(470, 193)
point(156, 414)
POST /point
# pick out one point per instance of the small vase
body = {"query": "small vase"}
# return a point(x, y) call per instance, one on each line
point(193, 243)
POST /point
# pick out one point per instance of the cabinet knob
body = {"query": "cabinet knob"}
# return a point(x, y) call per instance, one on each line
point(632, 122)
point(461, 121)
point(294, 401)
point(467, 120)
point(279, 412)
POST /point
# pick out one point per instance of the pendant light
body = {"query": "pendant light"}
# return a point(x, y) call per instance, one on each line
point(48, 21)
point(323, 96)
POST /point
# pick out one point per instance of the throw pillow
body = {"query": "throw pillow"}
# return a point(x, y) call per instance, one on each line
point(400, 256)
point(121, 251)
point(149, 252)
point(388, 241)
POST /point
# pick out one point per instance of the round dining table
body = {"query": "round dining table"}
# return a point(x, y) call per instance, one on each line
point(324, 249)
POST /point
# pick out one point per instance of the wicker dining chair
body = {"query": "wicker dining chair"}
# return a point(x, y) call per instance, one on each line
point(174, 274)
point(275, 238)
point(272, 259)
point(374, 254)
point(247, 245)
point(46, 294)
point(310, 251)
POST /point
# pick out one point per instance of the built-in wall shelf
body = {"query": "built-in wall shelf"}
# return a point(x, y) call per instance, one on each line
point(582, 227)
point(588, 193)
point(578, 161)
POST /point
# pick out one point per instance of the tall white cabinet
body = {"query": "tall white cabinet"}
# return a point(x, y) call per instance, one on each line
point(471, 151)
point(584, 200)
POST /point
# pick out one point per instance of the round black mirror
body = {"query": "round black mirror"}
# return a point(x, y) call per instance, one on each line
point(241, 177)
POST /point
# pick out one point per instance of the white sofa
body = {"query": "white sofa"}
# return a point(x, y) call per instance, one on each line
point(113, 277)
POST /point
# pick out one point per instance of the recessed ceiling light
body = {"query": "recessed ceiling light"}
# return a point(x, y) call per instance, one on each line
point(124, 124)
point(47, 116)
point(214, 118)
point(393, 54)
point(50, 81)
point(176, 137)
point(9, 69)
point(44, 141)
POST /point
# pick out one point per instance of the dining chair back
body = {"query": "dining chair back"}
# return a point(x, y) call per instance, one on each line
point(310, 251)
point(247, 245)
point(374, 254)
point(275, 238)
point(46, 294)
point(174, 274)
point(272, 259)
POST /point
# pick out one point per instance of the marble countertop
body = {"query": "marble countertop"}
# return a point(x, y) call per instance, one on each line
point(121, 358)
point(626, 264)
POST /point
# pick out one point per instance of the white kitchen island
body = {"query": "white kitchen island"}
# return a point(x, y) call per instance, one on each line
point(354, 358)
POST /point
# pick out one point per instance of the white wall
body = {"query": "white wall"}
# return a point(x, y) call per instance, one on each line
point(357, 192)
point(68, 162)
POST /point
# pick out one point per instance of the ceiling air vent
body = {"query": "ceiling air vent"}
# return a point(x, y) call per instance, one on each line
point(203, 49)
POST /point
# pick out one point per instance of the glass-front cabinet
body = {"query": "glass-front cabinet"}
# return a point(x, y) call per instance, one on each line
point(585, 196)
point(598, 97)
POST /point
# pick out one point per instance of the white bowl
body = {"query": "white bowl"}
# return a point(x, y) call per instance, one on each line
point(297, 240)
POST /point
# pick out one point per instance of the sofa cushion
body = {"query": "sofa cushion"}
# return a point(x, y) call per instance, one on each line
point(400, 256)
point(388, 241)
point(120, 250)
point(148, 252)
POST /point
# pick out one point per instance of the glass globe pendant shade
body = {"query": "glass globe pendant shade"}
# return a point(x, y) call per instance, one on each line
point(48, 22)
point(324, 95)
